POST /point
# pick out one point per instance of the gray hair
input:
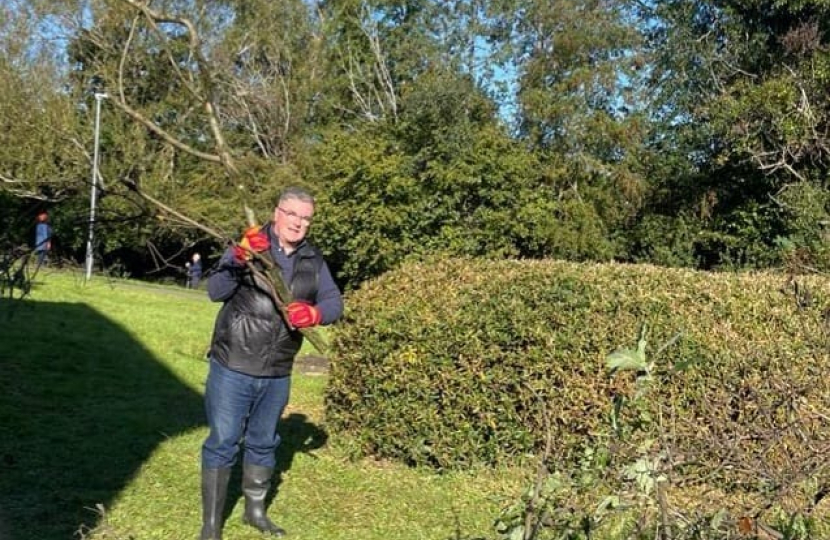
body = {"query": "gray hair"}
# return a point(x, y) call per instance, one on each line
point(296, 192)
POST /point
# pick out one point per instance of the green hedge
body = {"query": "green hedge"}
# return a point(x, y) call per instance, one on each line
point(448, 364)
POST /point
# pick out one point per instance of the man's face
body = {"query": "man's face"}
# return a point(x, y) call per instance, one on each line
point(292, 218)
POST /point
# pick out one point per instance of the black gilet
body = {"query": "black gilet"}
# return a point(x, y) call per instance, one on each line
point(250, 335)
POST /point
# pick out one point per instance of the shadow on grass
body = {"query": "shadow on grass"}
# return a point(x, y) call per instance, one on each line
point(298, 436)
point(82, 407)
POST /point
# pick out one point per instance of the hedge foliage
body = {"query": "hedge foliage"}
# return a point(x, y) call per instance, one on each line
point(452, 363)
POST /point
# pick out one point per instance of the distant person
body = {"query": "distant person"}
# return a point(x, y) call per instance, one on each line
point(43, 238)
point(194, 272)
point(252, 355)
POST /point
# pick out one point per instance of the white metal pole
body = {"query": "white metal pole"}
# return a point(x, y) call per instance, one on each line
point(94, 193)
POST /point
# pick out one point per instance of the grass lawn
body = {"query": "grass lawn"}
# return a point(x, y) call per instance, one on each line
point(101, 409)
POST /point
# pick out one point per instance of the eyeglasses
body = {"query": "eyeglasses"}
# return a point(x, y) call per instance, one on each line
point(288, 213)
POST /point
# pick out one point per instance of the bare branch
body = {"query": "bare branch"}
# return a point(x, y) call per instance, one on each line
point(10, 186)
point(173, 212)
point(124, 55)
point(152, 126)
point(223, 154)
point(373, 89)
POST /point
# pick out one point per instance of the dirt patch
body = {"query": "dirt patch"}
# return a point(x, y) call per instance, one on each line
point(310, 364)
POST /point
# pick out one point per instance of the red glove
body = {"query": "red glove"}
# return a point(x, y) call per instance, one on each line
point(303, 315)
point(255, 240)
point(252, 240)
point(240, 254)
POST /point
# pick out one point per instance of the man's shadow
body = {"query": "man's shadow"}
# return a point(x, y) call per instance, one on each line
point(83, 405)
point(298, 436)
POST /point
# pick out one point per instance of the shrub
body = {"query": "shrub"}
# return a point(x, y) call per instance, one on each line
point(665, 241)
point(448, 364)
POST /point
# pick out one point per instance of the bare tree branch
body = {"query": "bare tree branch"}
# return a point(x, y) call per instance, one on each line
point(223, 154)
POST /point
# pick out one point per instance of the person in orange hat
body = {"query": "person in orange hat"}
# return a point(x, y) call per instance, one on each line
point(43, 238)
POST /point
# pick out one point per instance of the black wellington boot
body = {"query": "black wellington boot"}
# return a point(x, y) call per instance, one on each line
point(214, 491)
point(256, 480)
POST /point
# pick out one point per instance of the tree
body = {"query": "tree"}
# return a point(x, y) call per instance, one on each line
point(579, 70)
point(742, 94)
point(201, 112)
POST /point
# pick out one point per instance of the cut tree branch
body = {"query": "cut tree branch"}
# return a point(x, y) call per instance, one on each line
point(204, 94)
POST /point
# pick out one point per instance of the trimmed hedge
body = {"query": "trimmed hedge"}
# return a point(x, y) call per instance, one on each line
point(448, 364)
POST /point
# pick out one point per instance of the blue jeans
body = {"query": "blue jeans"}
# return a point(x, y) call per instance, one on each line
point(242, 409)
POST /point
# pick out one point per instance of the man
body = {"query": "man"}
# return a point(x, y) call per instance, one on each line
point(43, 238)
point(252, 354)
point(194, 272)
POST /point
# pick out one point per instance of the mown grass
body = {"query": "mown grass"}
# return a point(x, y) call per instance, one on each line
point(101, 388)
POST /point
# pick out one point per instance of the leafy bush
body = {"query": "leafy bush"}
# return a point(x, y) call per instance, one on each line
point(665, 241)
point(450, 364)
point(448, 180)
point(807, 219)
point(381, 204)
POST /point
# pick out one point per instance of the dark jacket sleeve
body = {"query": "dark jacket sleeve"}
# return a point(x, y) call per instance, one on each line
point(224, 281)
